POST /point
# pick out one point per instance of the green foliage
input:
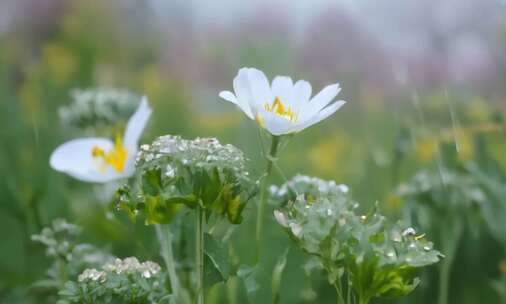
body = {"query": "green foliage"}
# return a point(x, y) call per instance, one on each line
point(124, 282)
point(173, 172)
point(379, 260)
point(69, 257)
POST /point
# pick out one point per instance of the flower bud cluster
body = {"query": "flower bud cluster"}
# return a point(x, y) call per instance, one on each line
point(173, 172)
point(325, 222)
point(99, 107)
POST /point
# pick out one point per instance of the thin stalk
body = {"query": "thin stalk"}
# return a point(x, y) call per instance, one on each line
point(444, 282)
point(339, 293)
point(199, 256)
point(165, 240)
point(62, 269)
point(362, 300)
point(34, 209)
point(263, 187)
point(348, 289)
point(449, 245)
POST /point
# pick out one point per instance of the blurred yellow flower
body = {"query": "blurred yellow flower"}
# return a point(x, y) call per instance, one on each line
point(59, 64)
point(479, 110)
point(217, 122)
point(326, 155)
point(426, 149)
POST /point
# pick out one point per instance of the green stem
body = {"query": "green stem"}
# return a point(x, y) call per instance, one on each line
point(263, 187)
point(339, 293)
point(362, 300)
point(449, 246)
point(165, 240)
point(62, 269)
point(199, 256)
point(348, 289)
point(444, 282)
point(34, 208)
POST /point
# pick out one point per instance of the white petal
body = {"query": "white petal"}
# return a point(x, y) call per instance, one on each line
point(136, 124)
point(275, 124)
point(302, 93)
point(260, 89)
point(75, 159)
point(228, 96)
point(282, 87)
point(319, 101)
point(296, 229)
point(280, 218)
point(243, 93)
point(323, 114)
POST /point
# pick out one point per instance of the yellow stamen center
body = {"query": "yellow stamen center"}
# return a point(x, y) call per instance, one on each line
point(115, 158)
point(278, 108)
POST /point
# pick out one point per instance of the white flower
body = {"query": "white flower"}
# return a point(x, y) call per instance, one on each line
point(283, 107)
point(281, 218)
point(101, 160)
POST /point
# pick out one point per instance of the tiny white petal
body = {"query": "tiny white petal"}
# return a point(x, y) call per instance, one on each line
point(136, 125)
point(274, 124)
point(322, 115)
point(296, 229)
point(280, 218)
point(302, 93)
point(320, 100)
point(260, 89)
point(242, 92)
point(228, 96)
point(282, 87)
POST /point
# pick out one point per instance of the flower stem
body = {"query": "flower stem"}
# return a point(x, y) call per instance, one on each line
point(450, 241)
point(199, 256)
point(62, 269)
point(339, 293)
point(165, 240)
point(261, 205)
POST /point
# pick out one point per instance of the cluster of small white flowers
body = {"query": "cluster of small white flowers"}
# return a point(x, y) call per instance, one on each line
point(320, 184)
point(55, 238)
point(200, 152)
point(92, 274)
point(132, 265)
point(100, 105)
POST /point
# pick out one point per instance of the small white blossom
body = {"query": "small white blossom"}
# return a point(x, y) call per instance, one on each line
point(92, 275)
point(101, 160)
point(282, 107)
point(281, 218)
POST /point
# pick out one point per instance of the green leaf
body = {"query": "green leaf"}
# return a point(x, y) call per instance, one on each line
point(216, 267)
point(189, 200)
point(158, 212)
point(248, 276)
point(152, 181)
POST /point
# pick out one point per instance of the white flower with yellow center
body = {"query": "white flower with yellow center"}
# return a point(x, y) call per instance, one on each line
point(283, 107)
point(101, 160)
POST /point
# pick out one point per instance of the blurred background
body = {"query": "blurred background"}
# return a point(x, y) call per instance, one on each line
point(420, 77)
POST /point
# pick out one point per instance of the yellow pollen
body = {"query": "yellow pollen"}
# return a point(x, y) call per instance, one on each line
point(278, 108)
point(115, 158)
point(260, 120)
